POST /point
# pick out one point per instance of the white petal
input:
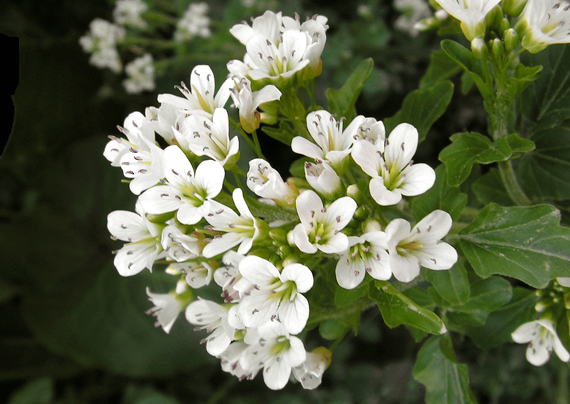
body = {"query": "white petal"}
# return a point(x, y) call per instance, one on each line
point(258, 270)
point(300, 274)
point(403, 142)
point(382, 195)
point(405, 269)
point(340, 212)
point(437, 256)
point(418, 179)
point(301, 239)
point(210, 177)
point(303, 146)
point(126, 226)
point(161, 199)
point(294, 315)
point(349, 274)
point(525, 333)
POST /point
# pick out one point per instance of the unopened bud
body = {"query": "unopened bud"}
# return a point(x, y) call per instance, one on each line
point(513, 7)
point(355, 193)
point(372, 225)
point(479, 48)
point(504, 25)
point(498, 49)
point(494, 17)
point(278, 235)
point(512, 40)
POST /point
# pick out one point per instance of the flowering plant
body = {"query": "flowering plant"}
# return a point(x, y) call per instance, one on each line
point(448, 252)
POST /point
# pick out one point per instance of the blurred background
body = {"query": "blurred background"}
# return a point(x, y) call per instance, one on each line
point(72, 330)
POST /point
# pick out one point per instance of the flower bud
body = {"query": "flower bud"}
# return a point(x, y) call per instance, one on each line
point(278, 235)
point(494, 17)
point(504, 25)
point(498, 49)
point(372, 225)
point(479, 48)
point(513, 7)
point(511, 38)
point(355, 193)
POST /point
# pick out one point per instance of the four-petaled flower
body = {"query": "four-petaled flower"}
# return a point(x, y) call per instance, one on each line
point(471, 13)
point(390, 167)
point(543, 339)
point(185, 192)
point(420, 246)
point(333, 144)
point(320, 227)
point(275, 296)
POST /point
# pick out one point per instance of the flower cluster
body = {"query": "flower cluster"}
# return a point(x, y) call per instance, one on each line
point(264, 253)
point(539, 23)
point(108, 42)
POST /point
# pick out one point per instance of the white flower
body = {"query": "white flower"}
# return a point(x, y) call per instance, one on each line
point(372, 131)
point(310, 372)
point(197, 274)
point(367, 253)
point(166, 308)
point(230, 279)
point(266, 182)
point(278, 48)
point(101, 42)
point(421, 245)
point(208, 137)
point(143, 240)
point(199, 99)
point(140, 74)
point(138, 155)
point(241, 229)
point(543, 23)
point(471, 13)
point(185, 192)
point(320, 227)
point(193, 23)
point(178, 245)
point(128, 12)
point(277, 352)
point(213, 318)
point(162, 120)
point(275, 296)
point(543, 340)
point(333, 145)
point(248, 101)
point(392, 172)
point(231, 360)
point(324, 179)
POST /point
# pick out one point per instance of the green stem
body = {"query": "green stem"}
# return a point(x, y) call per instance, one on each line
point(512, 185)
point(257, 145)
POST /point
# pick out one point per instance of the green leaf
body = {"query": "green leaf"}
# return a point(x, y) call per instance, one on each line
point(446, 381)
point(441, 67)
point(520, 145)
point(440, 196)
point(341, 102)
point(524, 76)
point(525, 243)
point(546, 102)
point(452, 285)
point(501, 323)
point(490, 188)
point(467, 149)
point(422, 108)
point(344, 297)
point(545, 172)
point(398, 309)
point(473, 66)
point(487, 295)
